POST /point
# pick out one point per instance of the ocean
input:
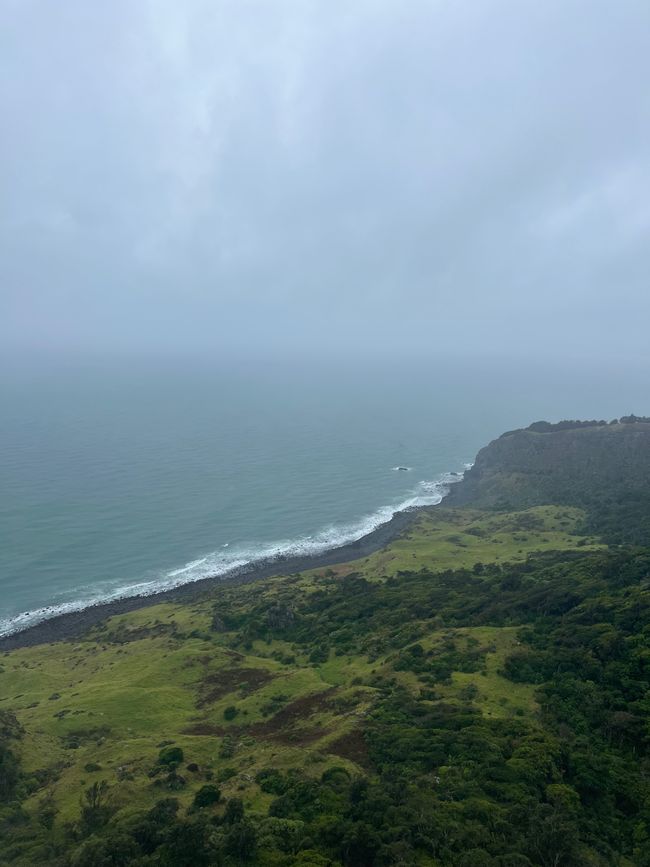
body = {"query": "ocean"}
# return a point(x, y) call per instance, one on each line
point(120, 478)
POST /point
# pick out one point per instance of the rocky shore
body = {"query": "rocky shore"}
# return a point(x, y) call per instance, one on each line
point(73, 624)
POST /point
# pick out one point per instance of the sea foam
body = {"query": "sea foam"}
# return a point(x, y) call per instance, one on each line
point(235, 559)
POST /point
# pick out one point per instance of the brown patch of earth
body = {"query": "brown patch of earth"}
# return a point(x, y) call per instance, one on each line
point(206, 730)
point(282, 727)
point(220, 683)
point(351, 746)
point(301, 737)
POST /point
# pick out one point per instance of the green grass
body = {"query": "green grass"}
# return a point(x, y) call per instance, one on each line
point(459, 538)
point(137, 680)
point(124, 701)
point(497, 696)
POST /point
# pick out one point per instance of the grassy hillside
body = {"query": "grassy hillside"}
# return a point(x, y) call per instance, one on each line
point(446, 538)
point(390, 711)
point(601, 468)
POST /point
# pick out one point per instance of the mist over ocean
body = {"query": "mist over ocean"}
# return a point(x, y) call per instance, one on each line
point(118, 478)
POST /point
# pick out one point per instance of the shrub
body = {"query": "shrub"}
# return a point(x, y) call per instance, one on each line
point(227, 748)
point(230, 712)
point(272, 781)
point(469, 692)
point(206, 796)
point(174, 781)
point(319, 654)
point(226, 774)
point(234, 811)
point(337, 778)
point(170, 756)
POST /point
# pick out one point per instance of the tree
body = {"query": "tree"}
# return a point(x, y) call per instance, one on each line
point(115, 850)
point(94, 812)
point(241, 840)
point(186, 846)
point(234, 811)
point(206, 796)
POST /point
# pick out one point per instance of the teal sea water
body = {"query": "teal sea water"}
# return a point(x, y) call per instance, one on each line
point(123, 478)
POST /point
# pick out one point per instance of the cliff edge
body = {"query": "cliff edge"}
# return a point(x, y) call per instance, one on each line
point(601, 467)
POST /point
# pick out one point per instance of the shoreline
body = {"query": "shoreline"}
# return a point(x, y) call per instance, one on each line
point(72, 624)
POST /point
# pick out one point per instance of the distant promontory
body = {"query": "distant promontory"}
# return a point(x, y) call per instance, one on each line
point(602, 467)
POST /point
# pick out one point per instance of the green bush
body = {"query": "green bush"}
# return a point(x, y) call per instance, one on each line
point(227, 748)
point(226, 774)
point(170, 756)
point(230, 712)
point(319, 654)
point(206, 796)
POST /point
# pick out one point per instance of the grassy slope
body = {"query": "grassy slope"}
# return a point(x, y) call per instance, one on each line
point(146, 677)
point(456, 538)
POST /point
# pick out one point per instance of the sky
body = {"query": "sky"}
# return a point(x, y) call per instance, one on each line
point(319, 176)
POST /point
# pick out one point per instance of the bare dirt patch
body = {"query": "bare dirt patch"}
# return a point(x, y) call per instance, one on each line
point(351, 746)
point(206, 730)
point(220, 683)
point(285, 727)
point(301, 737)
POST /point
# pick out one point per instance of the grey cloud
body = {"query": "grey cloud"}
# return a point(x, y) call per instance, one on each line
point(364, 176)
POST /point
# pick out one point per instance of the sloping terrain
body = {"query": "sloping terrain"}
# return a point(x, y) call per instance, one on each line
point(476, 693)
point(603, 468)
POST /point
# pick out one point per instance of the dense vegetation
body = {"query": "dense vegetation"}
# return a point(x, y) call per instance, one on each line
point(476, 695)
point(603, 469)
point(575, 424)
point(437, 780)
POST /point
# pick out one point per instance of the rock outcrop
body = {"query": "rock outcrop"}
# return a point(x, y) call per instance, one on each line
point(603, 468)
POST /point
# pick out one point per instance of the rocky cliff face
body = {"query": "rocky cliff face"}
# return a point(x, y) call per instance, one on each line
point(604, 468)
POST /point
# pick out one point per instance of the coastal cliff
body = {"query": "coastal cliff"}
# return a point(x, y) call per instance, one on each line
point(474, 692)
point(600, 467)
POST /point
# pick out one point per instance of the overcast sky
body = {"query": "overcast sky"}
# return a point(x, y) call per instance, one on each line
point(338, 175)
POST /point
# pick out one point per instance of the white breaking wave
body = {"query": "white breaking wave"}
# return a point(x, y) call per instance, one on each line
point(194, 564)
point(223, 563)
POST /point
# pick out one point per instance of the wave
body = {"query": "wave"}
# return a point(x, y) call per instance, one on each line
point(229, 562)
